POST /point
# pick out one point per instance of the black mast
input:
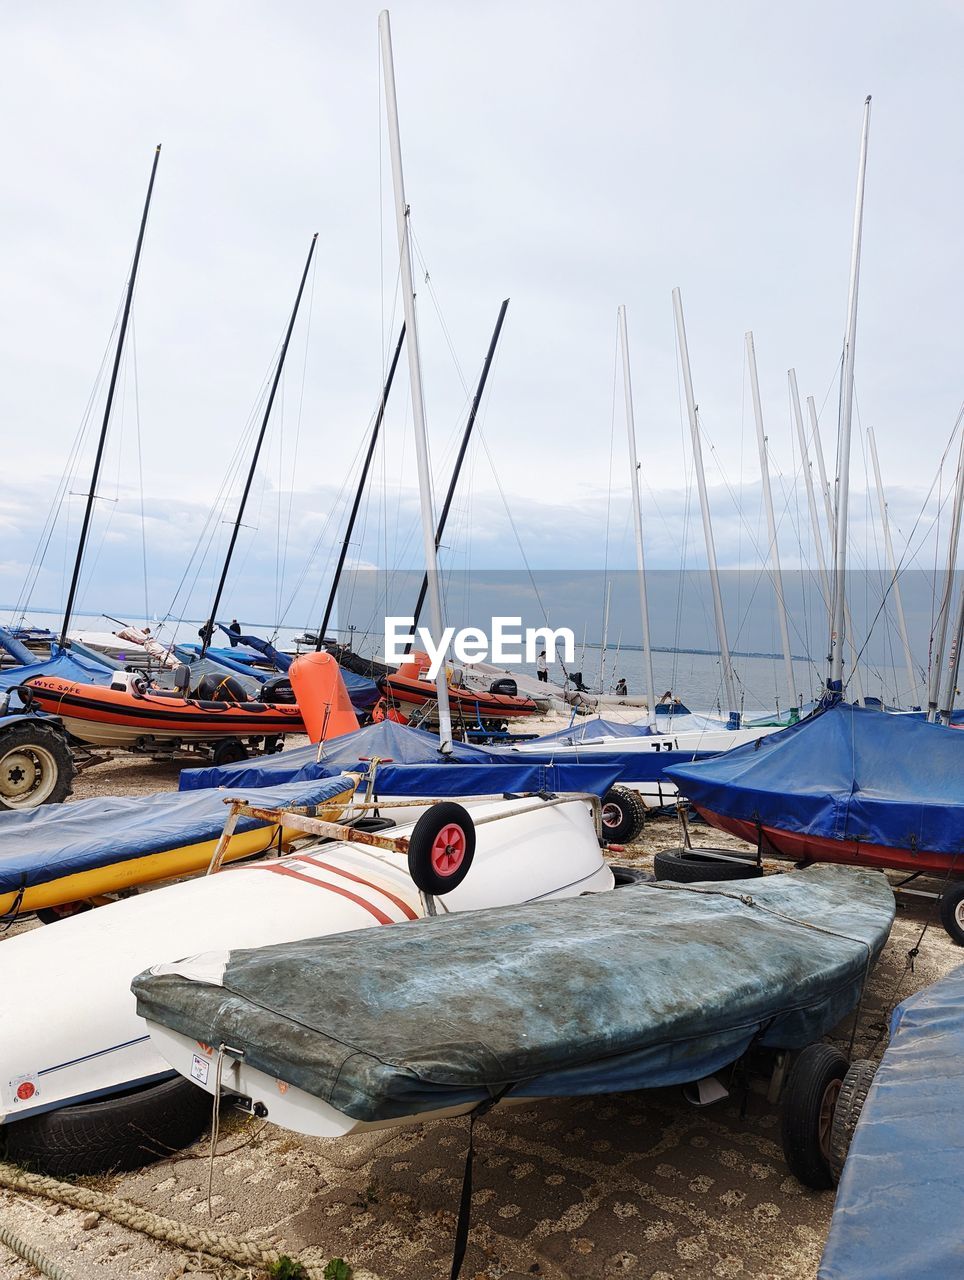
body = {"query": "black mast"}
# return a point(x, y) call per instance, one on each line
point(360, 490)
point(207, 630)
point(440, 529)
point(88, 511)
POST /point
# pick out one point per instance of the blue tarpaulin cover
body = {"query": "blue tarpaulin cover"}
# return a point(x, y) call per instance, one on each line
point(592, 731)
point(432, 780)
point(847, 773)
point(404, 745)
point(68, 666)
point(645, 986)
point(43, 844)
point(387, 740)
point(898, 1210)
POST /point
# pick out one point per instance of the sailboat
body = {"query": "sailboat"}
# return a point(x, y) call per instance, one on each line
point(137, 713)
point(848, 784)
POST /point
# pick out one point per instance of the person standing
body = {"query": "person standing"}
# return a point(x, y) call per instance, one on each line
point(542, 668)
point(234, 629)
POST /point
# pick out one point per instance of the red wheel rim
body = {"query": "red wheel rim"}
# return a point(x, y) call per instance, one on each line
point(448, 850)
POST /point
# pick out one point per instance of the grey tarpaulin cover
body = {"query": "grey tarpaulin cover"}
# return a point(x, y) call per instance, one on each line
point(645, 986)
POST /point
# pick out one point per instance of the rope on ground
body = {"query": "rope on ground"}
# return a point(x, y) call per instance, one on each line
point(246, 1253)
point(29, 1254)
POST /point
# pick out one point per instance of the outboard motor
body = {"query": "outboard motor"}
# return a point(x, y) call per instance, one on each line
point(278, 689)
point(506, 686)
point(215, 688)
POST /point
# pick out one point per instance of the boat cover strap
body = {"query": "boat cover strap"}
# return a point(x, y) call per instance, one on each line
point(599, 993)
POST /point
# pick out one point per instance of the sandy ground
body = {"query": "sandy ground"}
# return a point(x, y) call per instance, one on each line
point(635, 1185)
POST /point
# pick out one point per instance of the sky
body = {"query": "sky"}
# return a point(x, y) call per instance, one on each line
point(568, 157)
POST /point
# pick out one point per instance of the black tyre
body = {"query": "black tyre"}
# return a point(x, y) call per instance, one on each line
point(230, 751)
point(124, 1132)
point(35, 767)
point(625, 876)
point(850, 1102)
point(952, 911)
point(623, 815)
point(808, 1110)
point(441, 848)
point(688, 867)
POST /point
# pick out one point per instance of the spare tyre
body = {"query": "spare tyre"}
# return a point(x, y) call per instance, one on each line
point(123, 1132)
point(687, 866)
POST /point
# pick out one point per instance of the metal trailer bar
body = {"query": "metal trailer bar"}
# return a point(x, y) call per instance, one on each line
point(299, 819)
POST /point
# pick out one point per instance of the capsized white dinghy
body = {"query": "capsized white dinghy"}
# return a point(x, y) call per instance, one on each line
point(71, 1034)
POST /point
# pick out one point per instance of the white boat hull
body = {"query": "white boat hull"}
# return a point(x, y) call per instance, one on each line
point(70, 1029)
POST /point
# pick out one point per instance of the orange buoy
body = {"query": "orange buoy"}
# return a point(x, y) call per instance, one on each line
point(322, 697)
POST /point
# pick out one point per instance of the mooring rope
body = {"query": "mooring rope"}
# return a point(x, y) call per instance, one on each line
point(32, 1255)
point(245, 1253)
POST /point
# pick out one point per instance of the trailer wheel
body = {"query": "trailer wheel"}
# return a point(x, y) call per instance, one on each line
point(853, 1095)
point(124, 1132)
point(35, 768)
point(952, 911)
point(441, 848)
point(230, 751)
point(623, 815)
point(686, 866)
point(808, 1111)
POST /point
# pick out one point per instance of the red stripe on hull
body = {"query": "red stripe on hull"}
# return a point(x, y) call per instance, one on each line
point(349, 875)
point(370, 907)
point(851, 853)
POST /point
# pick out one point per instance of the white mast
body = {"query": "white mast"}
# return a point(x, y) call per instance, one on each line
point(415, 375)
point(953, 665)
point(729, 682)
point(940, 638)
point(828, 507)
point(845, 418)
point(638, 523)
point(892, 568)
point(774, 552)
point(811, 495)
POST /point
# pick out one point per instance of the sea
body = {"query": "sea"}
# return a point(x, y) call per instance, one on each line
point(695, 677)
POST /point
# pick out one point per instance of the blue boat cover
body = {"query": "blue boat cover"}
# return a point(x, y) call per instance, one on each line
point(593, 730)
point(68, 666)
point(463, 779)
point(362, 693)
point(387, 740)
point(18, 651)
point(281, 661)
point(898, 1210)
point(847, 773)
point(43, 844)
point(650, 985)
point(404, 745)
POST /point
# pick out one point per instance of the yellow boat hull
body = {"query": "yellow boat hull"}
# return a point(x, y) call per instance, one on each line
point(168, 864)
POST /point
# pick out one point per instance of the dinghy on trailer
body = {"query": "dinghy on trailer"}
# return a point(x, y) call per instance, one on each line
point(66, 855)
point(658, 984)
point(847, 785)
point(80, 1084)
